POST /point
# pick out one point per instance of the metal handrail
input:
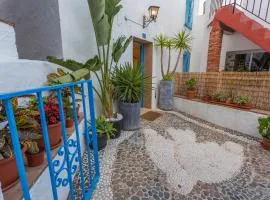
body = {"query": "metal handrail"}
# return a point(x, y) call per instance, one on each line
point(258, 8)
point(65, 157)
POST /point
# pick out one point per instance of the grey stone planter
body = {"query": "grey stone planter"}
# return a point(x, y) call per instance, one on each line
point(131, 115)
point(166, 93)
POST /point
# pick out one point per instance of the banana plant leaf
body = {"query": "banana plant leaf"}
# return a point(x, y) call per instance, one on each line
point(69, 64)
point(112, 8)
point(119, 47)
point(100, 21)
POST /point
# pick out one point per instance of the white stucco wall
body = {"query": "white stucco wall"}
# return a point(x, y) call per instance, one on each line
point(235, 42)
point(78, 36)
point(8, 49)
point(243, 121)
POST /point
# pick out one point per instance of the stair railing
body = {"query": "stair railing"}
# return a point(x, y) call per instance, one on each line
point(258, 8)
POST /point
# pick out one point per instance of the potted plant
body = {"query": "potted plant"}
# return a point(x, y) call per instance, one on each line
point(105, 131)
point(181, 42)
point(52, 115)
point(242, 102)
point(191, 88)
point(8, 167)
point(218, 97)
point(34, 155)
point(264, 130)
point(128, 83)
point(109, 53)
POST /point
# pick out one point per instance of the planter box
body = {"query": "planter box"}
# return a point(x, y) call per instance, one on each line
point(239, 120)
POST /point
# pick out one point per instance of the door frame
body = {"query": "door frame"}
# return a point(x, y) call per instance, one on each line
point(146, 58)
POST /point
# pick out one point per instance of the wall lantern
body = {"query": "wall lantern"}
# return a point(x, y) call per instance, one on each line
point(153, 13)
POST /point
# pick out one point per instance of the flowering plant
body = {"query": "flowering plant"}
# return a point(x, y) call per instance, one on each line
point(52, 112)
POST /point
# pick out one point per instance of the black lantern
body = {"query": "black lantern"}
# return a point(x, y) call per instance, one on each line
point(153, 13)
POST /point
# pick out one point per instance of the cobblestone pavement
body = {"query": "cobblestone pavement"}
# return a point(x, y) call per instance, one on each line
point(132, 171)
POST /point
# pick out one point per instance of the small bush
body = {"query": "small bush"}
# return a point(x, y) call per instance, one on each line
point(191, 84)
point(264, 127)
point(241, 100)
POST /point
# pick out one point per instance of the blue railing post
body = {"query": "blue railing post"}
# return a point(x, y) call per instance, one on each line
point(47, 143)
point(75, 118)
point(86, 134)
point(17, 148)
point(93, 126)
point(64, 134)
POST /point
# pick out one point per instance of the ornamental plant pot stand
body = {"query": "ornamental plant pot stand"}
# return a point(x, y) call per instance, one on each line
point(55, 135)
point(166, 93)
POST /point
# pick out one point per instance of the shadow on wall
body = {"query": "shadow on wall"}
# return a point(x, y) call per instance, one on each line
point(37, 34)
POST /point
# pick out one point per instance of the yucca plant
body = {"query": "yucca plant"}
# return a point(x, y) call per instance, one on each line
point(103, 13)
point(161, 41)
point(128, 83)
point(181, 42)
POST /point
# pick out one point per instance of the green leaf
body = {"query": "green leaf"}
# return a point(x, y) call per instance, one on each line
point(100, 21)
point(119, 47)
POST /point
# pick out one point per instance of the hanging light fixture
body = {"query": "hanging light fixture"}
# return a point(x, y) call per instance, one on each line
point(153, 13)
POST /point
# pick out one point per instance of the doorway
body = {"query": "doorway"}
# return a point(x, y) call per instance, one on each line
point(142, 55)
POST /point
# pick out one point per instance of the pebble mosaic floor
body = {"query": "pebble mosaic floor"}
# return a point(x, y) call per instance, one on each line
point(160, 162)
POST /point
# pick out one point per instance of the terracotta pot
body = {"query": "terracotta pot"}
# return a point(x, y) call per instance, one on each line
point(191, 94)
point(69, 123)
point(266, 143)
point(244, 106)
point(78, 109)
point(35, 159)
point(9, 175)
point(55, 134)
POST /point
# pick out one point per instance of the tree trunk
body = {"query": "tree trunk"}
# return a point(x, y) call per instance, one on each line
point(177, 61)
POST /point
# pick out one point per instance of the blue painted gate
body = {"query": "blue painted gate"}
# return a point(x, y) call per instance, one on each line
point(74, 151)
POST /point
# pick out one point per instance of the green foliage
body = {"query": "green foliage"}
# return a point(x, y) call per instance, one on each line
point(264, 127)
point(103, 13)
point(104, 127)
point(168, 77)
point(191, 84)
point(182, 41)
point(119, 47)
point(80, 70)
point(128, 82)
point(219, 96)
point(242, 100)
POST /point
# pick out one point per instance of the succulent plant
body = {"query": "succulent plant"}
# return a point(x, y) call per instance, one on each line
point(32, 147)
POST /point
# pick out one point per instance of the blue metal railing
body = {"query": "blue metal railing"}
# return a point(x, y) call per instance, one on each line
point(57, 167)
point(258, 8)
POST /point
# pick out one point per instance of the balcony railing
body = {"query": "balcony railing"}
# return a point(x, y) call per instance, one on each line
point(258, 8)
point(68, 161)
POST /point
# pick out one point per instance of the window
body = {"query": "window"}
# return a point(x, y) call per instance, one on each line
point(186, 61)
point(189, 13)
point(252, 61)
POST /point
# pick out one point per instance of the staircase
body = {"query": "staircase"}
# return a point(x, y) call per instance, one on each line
point(239, 22)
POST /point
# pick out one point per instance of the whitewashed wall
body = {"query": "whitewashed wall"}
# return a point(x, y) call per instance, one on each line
point(235, 42)
point(8, 48)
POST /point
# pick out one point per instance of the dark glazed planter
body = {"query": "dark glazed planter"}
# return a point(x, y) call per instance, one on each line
point(131, 115)
point(117, 124)
point(101, 141)
point(166, 92)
